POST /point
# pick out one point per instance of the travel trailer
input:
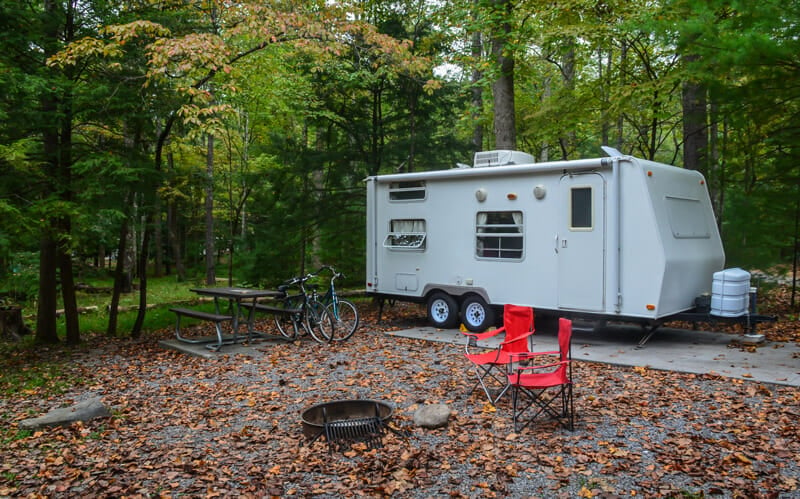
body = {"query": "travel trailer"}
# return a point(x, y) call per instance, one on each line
point(612, 238)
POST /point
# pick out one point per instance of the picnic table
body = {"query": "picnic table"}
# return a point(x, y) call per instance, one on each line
point(237, 298)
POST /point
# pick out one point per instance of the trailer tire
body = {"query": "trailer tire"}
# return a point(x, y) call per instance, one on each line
point(476, 315)
point(442, 310)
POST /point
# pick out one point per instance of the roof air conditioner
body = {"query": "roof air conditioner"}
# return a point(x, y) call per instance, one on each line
point(502, 158)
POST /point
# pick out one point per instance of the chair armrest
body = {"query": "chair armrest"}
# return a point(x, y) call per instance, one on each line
point(518, 370)
point(541, 366)
point(485, 334)
point(516, 357)
point(528, 334)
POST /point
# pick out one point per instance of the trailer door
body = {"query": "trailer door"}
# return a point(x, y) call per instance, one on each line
point(580, 242)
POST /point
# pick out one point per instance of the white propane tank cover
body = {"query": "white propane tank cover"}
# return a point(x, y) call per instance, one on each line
point(730, 293)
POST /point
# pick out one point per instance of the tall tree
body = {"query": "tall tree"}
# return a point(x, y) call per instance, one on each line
point(210, 246)
point(505, 123)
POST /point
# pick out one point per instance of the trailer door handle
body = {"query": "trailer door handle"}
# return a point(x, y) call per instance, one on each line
point(556, 243)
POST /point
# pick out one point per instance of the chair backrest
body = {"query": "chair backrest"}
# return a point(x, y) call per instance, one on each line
point(565, 338)
point(517, 320)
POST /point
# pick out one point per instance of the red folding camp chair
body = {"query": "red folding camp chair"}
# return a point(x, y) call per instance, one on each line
point(544, 389)
point(490, 366)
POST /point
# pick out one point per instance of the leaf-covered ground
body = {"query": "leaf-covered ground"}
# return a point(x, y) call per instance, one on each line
point(185, 426)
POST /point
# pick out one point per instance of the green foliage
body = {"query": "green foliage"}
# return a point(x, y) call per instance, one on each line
point(299, 124)
point(21, 282)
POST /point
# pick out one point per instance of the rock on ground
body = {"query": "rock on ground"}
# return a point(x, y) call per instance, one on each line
point(432, 415)
point(82, 411)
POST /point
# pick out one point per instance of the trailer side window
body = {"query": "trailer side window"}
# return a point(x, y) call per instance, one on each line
point(498, 234)
point(580, 208)
point(406, 235)
point(407, 191)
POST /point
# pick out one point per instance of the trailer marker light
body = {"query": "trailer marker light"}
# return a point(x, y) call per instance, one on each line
point(651, 306)
point(702, 182)
point(649, 173)
point(369, 284)
point(512, 196)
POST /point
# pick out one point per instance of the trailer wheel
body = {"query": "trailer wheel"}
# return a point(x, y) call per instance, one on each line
point(476, 315)
point(442, 310)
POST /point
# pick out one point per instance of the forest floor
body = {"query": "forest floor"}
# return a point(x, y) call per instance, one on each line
point(230, 426)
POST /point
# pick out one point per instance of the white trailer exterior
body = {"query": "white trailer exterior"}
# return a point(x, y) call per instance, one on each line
point(616, 237)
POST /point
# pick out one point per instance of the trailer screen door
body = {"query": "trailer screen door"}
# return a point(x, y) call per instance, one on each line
point(580, 242)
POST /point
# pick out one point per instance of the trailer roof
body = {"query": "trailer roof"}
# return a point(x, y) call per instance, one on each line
point(482, 171)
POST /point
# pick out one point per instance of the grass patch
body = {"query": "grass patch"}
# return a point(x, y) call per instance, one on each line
point(15, 434)
point(37, 379)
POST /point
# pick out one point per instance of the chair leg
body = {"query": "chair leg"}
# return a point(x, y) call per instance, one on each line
point(571, 408)
point(559, 407)
point(482, 373)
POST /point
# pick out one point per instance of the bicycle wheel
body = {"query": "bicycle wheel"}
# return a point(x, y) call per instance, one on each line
point(318, 322)
point(287, 323)
point(345, 319)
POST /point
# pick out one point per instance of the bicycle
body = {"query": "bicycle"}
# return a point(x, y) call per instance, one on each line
point(342, 313)
point(303, 314)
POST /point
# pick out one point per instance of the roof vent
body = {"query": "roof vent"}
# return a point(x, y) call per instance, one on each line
point(502, 158)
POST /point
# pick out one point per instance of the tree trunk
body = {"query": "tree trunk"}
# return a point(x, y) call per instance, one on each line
point(477, 91)
point(211, 277)
point(12, 326)
point(173, 232)
point(158, 243)
point(119, 275)
point(623, 63)
point(64, 250)
point(695, 130)
point(148, 227)
point(68, 295)
point(144, 255)
point(505, 128)
point(48, 284)
point(48, 256)
point(796, 251)
point(568, 140)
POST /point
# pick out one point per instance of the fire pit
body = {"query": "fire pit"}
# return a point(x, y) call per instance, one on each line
point(347, 420)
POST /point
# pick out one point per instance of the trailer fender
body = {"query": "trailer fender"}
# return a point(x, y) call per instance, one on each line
point(456, 291)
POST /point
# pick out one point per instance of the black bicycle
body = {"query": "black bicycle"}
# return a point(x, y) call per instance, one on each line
point(302, 313)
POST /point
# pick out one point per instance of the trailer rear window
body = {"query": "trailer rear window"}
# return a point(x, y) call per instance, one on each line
point(407, 191)
point(406, 234)
point(687, 218)
point(499, 235)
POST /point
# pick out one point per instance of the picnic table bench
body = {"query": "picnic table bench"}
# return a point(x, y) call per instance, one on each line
point(269, 309)
point(237, 298)
point(217, 319)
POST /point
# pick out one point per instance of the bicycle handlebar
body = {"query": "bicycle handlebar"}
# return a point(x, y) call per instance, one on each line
point(301, 279)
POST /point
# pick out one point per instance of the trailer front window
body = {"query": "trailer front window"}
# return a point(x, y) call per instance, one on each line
point(406, 234)
point(499, 235)
point(407, 191)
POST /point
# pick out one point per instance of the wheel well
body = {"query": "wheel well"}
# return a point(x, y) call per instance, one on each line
point(459, 293)
point(458, 298)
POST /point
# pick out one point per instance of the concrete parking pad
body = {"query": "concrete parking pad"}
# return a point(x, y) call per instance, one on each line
point(681, 350)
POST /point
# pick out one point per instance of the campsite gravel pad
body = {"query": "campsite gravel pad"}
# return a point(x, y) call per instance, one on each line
point(229, 426)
